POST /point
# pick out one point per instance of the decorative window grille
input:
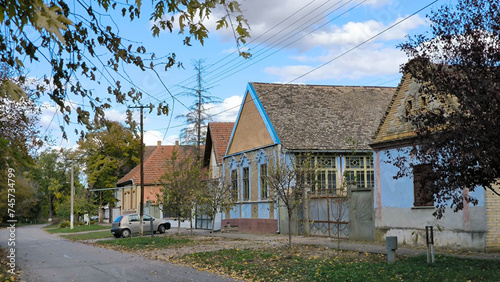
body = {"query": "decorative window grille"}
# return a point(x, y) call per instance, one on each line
point(246, 184)
point(264, 193)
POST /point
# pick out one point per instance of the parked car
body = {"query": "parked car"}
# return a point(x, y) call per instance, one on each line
point(128, 224)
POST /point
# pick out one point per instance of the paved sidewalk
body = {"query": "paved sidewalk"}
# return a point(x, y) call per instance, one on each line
point(369, 247)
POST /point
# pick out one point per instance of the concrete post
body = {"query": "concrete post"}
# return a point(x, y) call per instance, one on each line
point(391, 243)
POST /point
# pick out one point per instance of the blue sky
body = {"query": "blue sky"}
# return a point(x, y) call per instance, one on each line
point(292, 41)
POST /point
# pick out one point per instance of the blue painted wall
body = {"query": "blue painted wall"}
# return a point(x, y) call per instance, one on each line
point(398, 193)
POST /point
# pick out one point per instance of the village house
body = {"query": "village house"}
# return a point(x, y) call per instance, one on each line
point(333, 123)
point(218, 134)
point(155, 166)
point(400, 209)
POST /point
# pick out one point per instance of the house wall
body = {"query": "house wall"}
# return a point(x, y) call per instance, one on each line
point(131, 198)
point(395, 214)
point(493, 221)
point(256, 214)
point(251, 131)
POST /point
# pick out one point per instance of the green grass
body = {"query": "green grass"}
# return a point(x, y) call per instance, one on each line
point(89, 236)
point(282, 265)
point(80, 228)
point(147, 243)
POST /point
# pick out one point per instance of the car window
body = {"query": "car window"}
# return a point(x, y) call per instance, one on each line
point(146, 217)
point(118, 219)
point(132, 218)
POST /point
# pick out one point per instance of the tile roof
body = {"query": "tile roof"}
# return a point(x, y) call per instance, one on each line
point(321, 117)
point(218, 135)
point(155, 165)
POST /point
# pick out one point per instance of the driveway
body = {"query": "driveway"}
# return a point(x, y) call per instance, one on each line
point(45, 257)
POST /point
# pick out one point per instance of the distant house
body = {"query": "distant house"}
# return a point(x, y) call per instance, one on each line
point(334, 123)
point(155, 165)
point(218, 134)
point(400, 208)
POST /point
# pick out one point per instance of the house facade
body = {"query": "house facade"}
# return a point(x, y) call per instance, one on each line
point(333, 123)
point(218, 134)
point(400, 208)
point(155, 165)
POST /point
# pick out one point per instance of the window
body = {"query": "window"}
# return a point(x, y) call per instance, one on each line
point(359, 169)
point(234, 183)
point(132, 218)
point(422, 186)
point(246, 184)
point(322, 174)
point(263, 182)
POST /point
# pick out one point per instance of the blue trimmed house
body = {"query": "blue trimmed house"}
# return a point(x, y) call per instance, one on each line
point(403, 208)
point(334, 123)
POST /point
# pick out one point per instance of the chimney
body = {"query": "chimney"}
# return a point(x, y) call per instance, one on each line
point(176, 142)
point(158, 143)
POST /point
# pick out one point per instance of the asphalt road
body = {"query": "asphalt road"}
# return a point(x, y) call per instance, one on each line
point(45, 257)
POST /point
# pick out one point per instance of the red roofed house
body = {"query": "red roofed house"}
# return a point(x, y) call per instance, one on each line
point(155, 165)
point(218, 135)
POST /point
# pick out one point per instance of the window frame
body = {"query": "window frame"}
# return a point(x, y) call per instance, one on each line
point(246, 183)
point(422, 198)
point(264, 188)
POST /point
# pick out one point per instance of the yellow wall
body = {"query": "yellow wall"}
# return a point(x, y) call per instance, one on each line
point(493, 221)
point(251, 131)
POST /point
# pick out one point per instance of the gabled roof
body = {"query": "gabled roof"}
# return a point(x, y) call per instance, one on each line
point(320, 117)
point(218, 135)
point(155, 165)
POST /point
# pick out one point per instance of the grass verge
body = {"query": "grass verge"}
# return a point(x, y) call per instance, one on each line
point(80, 228)
point(285, 265)
point(147, 243)
point(89, 236)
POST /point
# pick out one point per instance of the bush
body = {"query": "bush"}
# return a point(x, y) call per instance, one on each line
point(64, 224)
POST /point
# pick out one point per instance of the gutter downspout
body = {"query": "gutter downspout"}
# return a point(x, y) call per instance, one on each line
point(277, 198)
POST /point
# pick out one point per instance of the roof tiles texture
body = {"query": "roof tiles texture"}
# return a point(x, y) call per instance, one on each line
point(316, 117)
point(220, 133)
point(155, 165)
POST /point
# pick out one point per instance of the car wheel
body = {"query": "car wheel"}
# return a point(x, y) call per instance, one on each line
point(161, 229)
point(125, 233)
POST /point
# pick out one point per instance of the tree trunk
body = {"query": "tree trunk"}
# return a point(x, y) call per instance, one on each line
point(289, 229)
point(191, 221)
point(179, 225)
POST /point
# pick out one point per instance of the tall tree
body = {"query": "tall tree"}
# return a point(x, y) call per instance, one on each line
point(109, 152)
point(18, 139)
point(51, 173)
point(198, 116)
point(458, 67)
point(82, 44)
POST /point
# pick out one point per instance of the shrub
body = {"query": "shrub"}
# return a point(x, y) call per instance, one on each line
point(64, 224)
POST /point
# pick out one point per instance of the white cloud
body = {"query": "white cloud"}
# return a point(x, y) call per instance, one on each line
point(357, 64)
point(227, 111)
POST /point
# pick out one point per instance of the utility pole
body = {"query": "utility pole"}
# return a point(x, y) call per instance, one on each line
point(141, 205)
point(72, 218)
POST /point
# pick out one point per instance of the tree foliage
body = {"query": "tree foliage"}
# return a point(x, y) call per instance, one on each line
point(198, 115)
point(109, 152)
point(182, 185)
point(289, 178)
point(84, 46)
point(215, 198)
point(458, 67)
point(51, 173)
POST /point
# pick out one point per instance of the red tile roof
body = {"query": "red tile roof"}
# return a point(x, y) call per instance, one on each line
point(218, 135)
point(155, 164)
